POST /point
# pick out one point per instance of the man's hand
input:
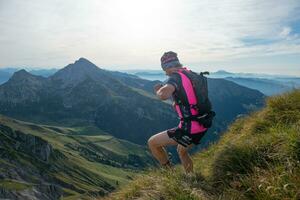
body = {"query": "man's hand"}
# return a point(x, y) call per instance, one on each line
point(165, 91)
point(157, 87)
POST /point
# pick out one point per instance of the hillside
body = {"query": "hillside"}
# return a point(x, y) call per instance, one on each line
point(258, 158)
point(49, 162)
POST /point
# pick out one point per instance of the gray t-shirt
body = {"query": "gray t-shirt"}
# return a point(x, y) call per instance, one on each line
point(175, 80)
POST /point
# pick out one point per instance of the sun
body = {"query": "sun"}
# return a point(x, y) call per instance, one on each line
point(137, 20)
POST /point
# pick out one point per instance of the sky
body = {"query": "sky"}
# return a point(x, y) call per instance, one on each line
point(235, 35)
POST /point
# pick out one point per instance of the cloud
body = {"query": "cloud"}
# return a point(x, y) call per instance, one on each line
point(136, 32)
point(285, 32)
point(221, 27)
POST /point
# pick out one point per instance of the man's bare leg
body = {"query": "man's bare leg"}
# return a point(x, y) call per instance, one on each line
point(157, 143)
point(185, 158)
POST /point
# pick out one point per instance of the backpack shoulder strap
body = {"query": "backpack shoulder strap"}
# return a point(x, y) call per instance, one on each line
point(188, 87)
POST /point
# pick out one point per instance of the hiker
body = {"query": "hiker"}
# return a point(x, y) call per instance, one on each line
point(189, 131)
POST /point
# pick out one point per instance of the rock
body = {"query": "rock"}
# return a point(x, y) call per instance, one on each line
point(29, 144)
point(40, 192)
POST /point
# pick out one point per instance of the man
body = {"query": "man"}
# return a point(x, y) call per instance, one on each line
point(188, 132)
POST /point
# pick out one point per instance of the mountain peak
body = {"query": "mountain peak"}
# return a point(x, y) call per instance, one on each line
point(77, 72)
point(83, 62)
point(21, 74)
point(82, 59)
point(222, 72)
point(22, 86)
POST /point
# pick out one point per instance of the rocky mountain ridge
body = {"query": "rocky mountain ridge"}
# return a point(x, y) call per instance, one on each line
point(118, 103)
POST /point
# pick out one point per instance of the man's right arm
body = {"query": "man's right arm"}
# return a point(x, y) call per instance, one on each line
point(165, 92)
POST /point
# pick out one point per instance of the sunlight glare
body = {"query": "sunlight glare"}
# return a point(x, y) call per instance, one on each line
point(138, 20)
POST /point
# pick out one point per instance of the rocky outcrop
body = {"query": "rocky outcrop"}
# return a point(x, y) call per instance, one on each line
point(23, 182)
point(28, 144)
point(40, 192)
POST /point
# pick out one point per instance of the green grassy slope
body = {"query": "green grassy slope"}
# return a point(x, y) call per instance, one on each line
point(83, 166)
point(258, 158)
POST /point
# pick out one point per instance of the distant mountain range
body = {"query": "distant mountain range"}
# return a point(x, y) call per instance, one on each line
point(224, 74)
point(118, 103)
point(267, 84)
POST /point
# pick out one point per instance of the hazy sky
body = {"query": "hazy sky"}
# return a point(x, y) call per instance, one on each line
point(261, 36)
